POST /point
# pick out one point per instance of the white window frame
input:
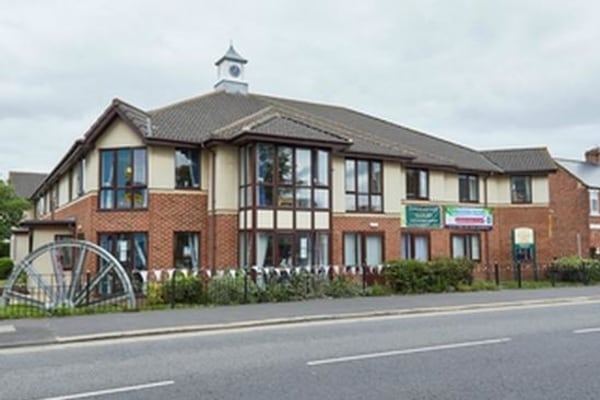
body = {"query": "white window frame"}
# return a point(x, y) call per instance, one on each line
point(594, 202)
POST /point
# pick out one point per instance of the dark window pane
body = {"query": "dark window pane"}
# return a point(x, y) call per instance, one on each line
point(350, 202)
point(265, 162)
point(284, 250)
point(321, 198)
point(285, 197)
point(265, 195)
point(376, 178)
point(363, 202)
point(124, 168)
point(303, 198)
point(362, 168)
point(139, 167)
point(140, 198)
point(285, 165)
point(107, 173)
point(376, 203)
point(123, 199)
point(322, 168)
point(187, 168)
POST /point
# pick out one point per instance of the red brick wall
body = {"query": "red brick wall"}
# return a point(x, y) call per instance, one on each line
point(569, 201)
point(226, 255)
point(167, 213)
point(389, 227)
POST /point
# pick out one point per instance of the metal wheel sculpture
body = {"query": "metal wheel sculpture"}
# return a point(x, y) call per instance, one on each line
point(68, 273)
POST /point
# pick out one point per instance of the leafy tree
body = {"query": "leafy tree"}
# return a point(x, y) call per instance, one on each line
point(11, 209)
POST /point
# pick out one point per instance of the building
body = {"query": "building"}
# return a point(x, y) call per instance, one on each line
point(25, 184)
point(575, 188)
point(232, 178)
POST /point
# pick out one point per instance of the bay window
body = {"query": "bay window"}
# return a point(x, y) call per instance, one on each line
point(287, 249)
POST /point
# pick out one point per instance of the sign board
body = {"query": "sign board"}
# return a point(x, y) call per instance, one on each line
point(469, 217)
point(417, 216)
point(524, 236)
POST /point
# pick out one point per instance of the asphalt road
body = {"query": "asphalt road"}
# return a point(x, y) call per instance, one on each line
point(515, 353)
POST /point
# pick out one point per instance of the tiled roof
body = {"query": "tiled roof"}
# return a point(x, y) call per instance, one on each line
point(25, 183)
point(206, 117)
point(587, 173)
point(522, 160)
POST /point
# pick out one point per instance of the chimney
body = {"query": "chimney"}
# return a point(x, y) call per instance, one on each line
point(592, 156)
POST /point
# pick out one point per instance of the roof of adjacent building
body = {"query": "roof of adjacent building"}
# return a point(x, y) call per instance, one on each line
point(25, 183)
point(527, 160)
point(586, 172)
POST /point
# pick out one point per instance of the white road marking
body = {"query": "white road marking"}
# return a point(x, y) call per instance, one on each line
point(7, 328)
point(589, 330)
point(111, 391)
point(407, 351)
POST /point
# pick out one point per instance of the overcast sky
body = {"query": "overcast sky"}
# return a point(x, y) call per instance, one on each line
point(486, 74)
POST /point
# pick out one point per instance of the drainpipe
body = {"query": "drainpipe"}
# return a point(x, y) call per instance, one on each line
point(213, 203)
point(486, 236)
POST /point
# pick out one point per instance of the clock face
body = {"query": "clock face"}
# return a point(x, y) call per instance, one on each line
point(234, 70)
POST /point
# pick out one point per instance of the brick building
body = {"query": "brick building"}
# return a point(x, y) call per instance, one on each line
point(233, 178)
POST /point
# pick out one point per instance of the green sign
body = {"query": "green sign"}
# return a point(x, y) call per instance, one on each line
point(422, 217)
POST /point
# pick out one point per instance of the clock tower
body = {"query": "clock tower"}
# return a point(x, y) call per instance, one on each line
point(230, 72)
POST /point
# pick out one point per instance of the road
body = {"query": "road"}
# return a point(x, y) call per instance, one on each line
point(536, 352)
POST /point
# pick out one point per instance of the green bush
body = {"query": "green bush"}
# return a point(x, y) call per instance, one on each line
point(6, 266)
point(184, 289)
point(230, 290)
point(342, 286)
point(156, 294)
point(574, 269)
point(438, 275)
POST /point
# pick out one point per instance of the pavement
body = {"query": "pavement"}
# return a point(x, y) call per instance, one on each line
point(56, 330)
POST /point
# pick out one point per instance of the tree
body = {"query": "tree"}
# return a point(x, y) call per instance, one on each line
point(11, 209)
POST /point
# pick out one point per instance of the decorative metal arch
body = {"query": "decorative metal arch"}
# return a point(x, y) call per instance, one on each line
point(107, 284)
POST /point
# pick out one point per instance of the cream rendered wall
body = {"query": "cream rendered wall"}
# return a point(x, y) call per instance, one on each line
point(227, 180)
point(205, 169)
point(19, 246)
point(499, 190)
point(63, 190)
point(43, 264)
point(161, 167)
point(393, 188)
point(441, 187)
point(338, 185)
point(540, 189)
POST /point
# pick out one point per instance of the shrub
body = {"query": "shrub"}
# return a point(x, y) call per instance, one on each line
point(184, 289)
point(574, 269)
point(342, 286)
point(230, 290)
point(6, 266)
point(156, 293)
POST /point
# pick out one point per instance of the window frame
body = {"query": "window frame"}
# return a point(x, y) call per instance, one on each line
point(371, 192)
point(361, 239)
point(593, 198)
point(467, 245)
point(314, 249)
point(130, 263)
point(418, 195)
point(409, 253)
point(514, 195)
point(114, 186)
point(183, 256)
point(464, 183)
point(189, 153)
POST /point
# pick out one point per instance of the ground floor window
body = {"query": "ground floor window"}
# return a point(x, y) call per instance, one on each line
point(363, 248)
point(466, 246)
point(415, 246)
point(186, 252)
point(285, 249)
point(131, 249)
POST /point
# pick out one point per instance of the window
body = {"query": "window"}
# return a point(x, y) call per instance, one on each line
point(286, 177)
point(594, 206)
point(123, 179)
point(186, 251)
point(415, 246)
point(301, 248)
point(81, 177)
point(520, 189)
point(417, 184)
point(363, 249)
point(466, 246)
point(131, 249)
point(468, 188)
point(55, 198)
point(364, 185)
point(70, 184)
point(187, 169)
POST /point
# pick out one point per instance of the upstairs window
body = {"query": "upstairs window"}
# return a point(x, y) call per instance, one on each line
point(187, 169)
point(123, 179)
point(81, 177)
point(468, 188)
point(520, 189)
point(364, 185)
point(594, 205)
point(417, 184)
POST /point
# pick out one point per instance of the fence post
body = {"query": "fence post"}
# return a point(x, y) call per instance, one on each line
point(173, 288)
point(87, 289)
point(519, 277)
point(497, 274)
point(535, 272)
point(245, 284)
point(364, 279)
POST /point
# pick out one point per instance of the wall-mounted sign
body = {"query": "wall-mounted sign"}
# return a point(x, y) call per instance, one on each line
point(524, 236)
point(469, 217)
point(416, 216)
point(523, 245)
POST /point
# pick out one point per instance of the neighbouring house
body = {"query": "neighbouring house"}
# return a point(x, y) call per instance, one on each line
point(575, 192)
point(25, 184)
point(232, 178)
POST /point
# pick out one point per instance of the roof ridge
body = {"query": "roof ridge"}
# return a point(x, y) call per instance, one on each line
point(244, 119)
point(117, 102)
point(304, 124)
point(184, 101)
point(515, 149)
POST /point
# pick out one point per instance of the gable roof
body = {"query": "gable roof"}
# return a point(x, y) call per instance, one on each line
point(529, 160)
point(587, 173)
point(25, 183)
